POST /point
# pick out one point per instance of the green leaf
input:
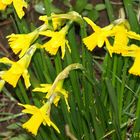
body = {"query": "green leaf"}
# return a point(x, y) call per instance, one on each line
point(80, 5)
point(21, 137)
point(93, 14)
point(13, 125)
point(100, 7)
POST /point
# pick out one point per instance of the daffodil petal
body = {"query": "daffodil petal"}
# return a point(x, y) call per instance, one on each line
point(7, 2)
point(133, 35)
point(2, 5)
point(18, 5)
point(135, 69)
point(30, 109)
point(26, 78)
point(5, 60)
point(92, 24)
point(48, 33)
point(44, 88)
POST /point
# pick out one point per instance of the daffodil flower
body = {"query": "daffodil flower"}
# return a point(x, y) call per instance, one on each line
point(58, 39)
point(133, 51)
point(56, 22)
point(18, 68)
point(59, 91)
point(121, 39)
point(135, 69)
point(18, 5)
point(59, 19)
point(98, 37)
point(20, 43)
point(39, 116)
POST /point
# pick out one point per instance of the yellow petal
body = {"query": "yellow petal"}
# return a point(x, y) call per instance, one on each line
point(108, 28)
point(133, 35)
point(56, 22)
point(18, 5)
point(135, 69)
point(2, 5)
point(44, 18)
point(7, 2)
point(55, 127)
point(100, 42)
point(92, 24)
point(49, 122)
point(67, 43)
point(48, 33)
point(109, 47)
point(63, 50)
point(26, 78)
point(44, 88)
point(5, 60)
point(30, 109)
point(56, 100)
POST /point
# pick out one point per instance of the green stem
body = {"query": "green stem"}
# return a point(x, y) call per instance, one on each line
point(131, 15)
point(109, 9)
point(120, 96)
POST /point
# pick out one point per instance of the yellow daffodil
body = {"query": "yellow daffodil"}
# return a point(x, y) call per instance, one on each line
point(58, 39)
point(72, 15)
point(120, 40)
point(98, 37)
point(135, 69)
point(20, 43)
point(122, 35)
point(39, 116)
point(56, 22)
point(133, 51)
point(18, 5)
point(59, 91)
point(18, 68)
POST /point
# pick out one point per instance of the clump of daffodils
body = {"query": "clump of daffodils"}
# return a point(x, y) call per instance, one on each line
point(54, 92)
point(25, 46)
point(121, 34)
